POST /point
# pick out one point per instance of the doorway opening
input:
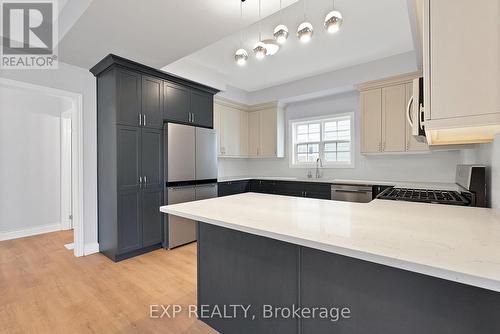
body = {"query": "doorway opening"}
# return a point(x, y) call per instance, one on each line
point(43, 133)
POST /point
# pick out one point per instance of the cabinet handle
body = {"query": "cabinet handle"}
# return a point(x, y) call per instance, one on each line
point(140, 181)
point(189, 117)
point(144, 123)
point(140, 119)
point(145, 181)
point(408, 112)
point(193, 117)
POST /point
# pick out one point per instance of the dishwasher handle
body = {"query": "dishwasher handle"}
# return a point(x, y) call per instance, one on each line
point(352, 191)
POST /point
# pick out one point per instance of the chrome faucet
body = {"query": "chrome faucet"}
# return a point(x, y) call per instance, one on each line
point(319, 164)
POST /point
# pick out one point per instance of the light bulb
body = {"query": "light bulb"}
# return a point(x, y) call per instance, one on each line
point(280, 33)
point(305, 32)
point(260, 50)
point(333, 21)
point(241, 57)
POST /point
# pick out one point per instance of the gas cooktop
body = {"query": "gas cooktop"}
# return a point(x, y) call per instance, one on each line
point(425, 196)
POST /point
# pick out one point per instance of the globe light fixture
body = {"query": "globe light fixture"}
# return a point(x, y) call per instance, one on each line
point(241, 57)
point(260, 50)
point(333, 21)
point(305, 32)
point(272, 46)
point(280, 33)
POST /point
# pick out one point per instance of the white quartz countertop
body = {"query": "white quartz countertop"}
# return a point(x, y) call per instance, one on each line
point(401, 184)
point(460, 244)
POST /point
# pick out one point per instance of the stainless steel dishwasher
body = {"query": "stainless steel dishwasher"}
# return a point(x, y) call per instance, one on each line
point(351, 193)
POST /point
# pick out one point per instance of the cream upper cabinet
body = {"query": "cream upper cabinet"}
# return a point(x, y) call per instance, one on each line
point(393, 118)
point(371, 120)
point(253, 133)
point(244, 133)
point(230, 131)
point(230, 124)
point(461, 70)
point(384, 128)
point(249, 131)
point(268, 133)
point(412, 145)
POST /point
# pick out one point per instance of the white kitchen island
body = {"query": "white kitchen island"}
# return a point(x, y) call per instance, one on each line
point(397, 265)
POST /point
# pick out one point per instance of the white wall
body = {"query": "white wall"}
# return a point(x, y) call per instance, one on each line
point(77, 80)
point(434, 167)
point(30, 155)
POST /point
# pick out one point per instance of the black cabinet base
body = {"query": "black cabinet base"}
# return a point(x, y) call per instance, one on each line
point(238, 268)
point(124, 256)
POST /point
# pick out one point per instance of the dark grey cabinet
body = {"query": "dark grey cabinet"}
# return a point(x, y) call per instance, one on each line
point(129, 217)
point(133, 101)
point(263, 186)
point(128, 143)
point(139, 192)
point(317, 190)
point(189, 106)
point(152, 157)
point(290, 188)
point(238, 268)
point(152, 218)
point(152, 102)
point(177, 103)
point(233, 187)
point(128, 97)
point(202, 109)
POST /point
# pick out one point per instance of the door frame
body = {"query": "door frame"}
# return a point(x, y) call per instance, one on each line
point(66, 168)
point(76, 154)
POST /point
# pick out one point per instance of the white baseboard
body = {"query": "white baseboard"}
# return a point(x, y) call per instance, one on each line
point(91, 249)
point(30, 231)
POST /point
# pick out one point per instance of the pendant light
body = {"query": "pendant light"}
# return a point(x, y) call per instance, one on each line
point(333, 20)
point(260, 48)
point(281, 31)
point(305, 29)
point(241, 55)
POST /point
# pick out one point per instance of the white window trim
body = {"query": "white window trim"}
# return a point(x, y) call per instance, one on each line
point(291, 153)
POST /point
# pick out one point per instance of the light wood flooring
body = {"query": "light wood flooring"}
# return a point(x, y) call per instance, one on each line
point(45, 289)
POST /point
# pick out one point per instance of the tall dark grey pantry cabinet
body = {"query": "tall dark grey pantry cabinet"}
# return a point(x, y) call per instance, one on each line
point(133, 102)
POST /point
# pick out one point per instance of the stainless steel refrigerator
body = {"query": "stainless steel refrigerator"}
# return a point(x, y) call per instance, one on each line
point(191, 174)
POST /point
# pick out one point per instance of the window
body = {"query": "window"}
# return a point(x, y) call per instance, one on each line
point(329, 139)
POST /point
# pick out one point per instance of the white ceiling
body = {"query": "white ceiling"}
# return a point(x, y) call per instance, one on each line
point(154, 32)
point(372, 29)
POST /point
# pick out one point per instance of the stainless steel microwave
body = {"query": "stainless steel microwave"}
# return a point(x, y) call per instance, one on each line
point(415, 111)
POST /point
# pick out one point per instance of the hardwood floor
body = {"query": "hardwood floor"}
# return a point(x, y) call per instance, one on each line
point(45, 289)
